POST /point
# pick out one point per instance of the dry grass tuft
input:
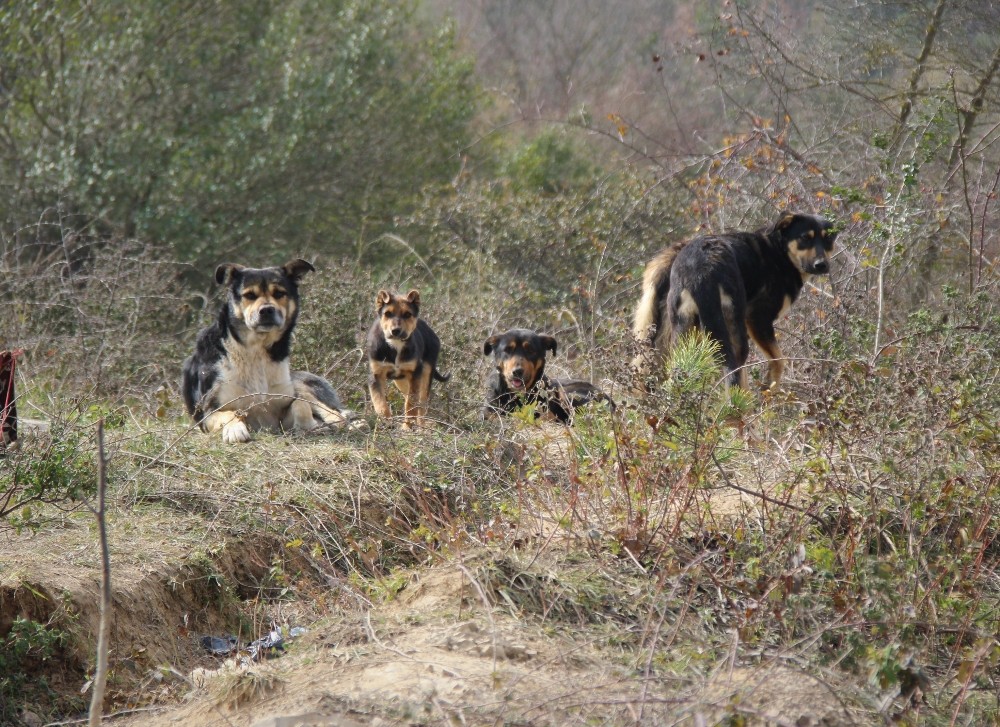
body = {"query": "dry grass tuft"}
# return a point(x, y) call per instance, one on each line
point(238, 688)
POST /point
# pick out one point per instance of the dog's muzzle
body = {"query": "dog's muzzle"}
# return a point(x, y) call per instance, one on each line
point(820, 267)
point(268, 317)
point(516, 379)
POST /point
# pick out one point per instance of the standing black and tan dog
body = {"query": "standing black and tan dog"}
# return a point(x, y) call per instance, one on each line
point(239, 380)
point(519, 378)
point(402, 347)
point(730, 284)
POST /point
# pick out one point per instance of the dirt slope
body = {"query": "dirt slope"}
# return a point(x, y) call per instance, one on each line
point(545, 628)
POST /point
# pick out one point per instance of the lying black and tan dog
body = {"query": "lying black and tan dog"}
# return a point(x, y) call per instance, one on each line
point(519, 378)
point(730, 284)
point(239, 379)
point(403, 348)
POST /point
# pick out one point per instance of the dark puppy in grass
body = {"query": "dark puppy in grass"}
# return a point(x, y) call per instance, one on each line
point(519, 378)
point(731, 284)
point(239, 379)
point(402, 348)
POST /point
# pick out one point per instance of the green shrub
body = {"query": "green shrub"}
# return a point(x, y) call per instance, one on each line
point(247, 127)
point(549, 163)
point(23, 651)
point(56, 467)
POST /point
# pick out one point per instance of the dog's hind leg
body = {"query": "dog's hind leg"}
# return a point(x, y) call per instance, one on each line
point(683, 314)
point(321, 398)
point(734, 313)
point(722, 318)
point(424, 380)
point(299, 416)
point(418, 389)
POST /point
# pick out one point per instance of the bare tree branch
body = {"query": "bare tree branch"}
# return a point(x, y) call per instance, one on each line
point(918, 71)
point(968, 116)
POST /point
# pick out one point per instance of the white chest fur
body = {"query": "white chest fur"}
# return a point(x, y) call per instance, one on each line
point(396, 369)
point(251, 381)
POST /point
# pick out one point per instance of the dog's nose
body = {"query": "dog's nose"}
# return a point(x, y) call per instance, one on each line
point(821, 266)
point(518, 372)
point(396, 332)
point(267, 313)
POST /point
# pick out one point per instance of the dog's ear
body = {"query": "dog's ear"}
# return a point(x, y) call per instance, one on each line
point(786, 219)
point(414, 297)
point(381, 298)
point(548, 344)
point(297, 268)
point(224, 273)
point(490, 344)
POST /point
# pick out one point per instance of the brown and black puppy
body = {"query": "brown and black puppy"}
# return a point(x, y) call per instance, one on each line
point(239, 379)
point(731, 284)
point(403, 348)
point(519, 378)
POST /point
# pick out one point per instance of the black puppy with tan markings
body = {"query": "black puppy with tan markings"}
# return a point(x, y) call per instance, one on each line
point(402, 348)
point(239, 379)
point(730, 284)
point(519, 378)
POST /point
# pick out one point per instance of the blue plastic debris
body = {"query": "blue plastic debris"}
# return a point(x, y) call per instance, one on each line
point(219, 646)
point(265, 644)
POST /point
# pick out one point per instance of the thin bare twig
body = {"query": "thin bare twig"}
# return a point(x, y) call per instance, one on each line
point(101, 670)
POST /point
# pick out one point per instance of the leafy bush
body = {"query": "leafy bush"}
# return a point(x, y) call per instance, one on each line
point(23, 651)
point(550, 162)
point(246, 127)
point(52, 468)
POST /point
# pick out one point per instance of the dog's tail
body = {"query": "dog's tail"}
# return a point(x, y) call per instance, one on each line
point(439, 376)
point(647, 323)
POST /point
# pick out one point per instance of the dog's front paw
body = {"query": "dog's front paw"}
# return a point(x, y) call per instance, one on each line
point(358, 425)
point(235, 432)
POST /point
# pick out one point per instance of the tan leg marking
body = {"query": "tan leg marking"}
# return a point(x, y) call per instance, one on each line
point(423, 400)
point(377, 387)
point(411, 403)
point(775, 364)
point(299, 417)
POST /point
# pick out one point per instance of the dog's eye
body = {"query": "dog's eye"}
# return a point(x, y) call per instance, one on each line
point(406, 315)
point(278, 294)
point(250, 295)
